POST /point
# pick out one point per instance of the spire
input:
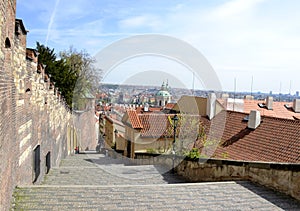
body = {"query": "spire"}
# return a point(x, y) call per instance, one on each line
point(163, 86)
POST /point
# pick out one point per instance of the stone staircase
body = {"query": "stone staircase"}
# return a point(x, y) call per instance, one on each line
point(96, 182)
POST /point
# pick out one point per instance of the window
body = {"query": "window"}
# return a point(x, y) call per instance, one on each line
point(48, 162)
point(7, 43)
point(36, 163)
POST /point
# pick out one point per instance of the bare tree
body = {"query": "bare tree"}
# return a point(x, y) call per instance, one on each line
point(88, 77)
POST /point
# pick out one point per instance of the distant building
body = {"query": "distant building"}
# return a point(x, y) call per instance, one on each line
point(163, 96)
point(147, 131)
point(196, 105)
point(84, 100)
point(229, 135)
point(113, 128)
point(267, 107)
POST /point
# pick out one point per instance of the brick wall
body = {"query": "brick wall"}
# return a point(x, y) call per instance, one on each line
point(7, 120)
point(31, 115)
point(85, 124)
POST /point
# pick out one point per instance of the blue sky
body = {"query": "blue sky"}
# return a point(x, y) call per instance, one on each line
point(239, 38)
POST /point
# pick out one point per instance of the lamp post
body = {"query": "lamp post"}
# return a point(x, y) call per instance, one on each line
point(101, 132)
point(175, 122)
point(116, 135)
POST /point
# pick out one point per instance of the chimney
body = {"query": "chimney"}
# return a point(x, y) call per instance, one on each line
point(211, 105)
point(224, 96)
point(269, 103)
point(146, 107)
point(248, 97)
point(254, 119)
point(296, 105)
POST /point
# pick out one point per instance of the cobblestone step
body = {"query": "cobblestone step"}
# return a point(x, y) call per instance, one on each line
point(96, 169)
point(96, 182)
point(199, 196)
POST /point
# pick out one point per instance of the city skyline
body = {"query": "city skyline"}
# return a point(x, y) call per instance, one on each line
point(240, 39)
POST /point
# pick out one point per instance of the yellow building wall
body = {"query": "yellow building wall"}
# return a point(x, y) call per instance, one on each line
point(109, 134)
point(153, 145)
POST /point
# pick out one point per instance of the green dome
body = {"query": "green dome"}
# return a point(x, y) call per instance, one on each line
point(163, 93)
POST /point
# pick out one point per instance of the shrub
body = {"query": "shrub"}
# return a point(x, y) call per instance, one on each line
point(194, 154)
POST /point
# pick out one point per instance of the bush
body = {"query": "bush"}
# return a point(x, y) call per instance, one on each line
point(151, 151)
point(194, 154)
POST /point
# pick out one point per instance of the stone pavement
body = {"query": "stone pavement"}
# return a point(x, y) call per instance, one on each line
point(96, 182)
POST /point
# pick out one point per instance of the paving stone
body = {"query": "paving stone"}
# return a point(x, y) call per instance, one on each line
point(96, 182)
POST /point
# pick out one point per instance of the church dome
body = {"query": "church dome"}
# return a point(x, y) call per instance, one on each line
point(163, 96)
point(163, 93)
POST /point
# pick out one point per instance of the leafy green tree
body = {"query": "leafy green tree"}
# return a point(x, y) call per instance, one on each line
point(73, 72)
point(186, 133)
point(64, 79)
point(46, 55)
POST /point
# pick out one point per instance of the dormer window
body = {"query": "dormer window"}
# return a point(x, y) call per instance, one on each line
point(261, 105)
point(18, 29)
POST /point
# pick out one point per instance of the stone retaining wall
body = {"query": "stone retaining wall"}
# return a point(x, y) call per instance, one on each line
point(281, 177)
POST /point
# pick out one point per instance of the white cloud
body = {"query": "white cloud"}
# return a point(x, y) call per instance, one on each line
point(177, 7)
point(51, 21)
point(142, 21)
point(234, 8)
point(238, 37)
point(242, 38)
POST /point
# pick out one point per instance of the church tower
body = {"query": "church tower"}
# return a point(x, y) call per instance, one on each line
point(163, 96)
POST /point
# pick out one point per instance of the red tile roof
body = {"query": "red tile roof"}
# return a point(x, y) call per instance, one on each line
point(140, 110)
point(134, 119)
point(275, 140)
point(279, 110)
point(158, 124)
point(119, 108)
point(161, 125)
point(170, 105)
point(155, 125)
point(228, 137)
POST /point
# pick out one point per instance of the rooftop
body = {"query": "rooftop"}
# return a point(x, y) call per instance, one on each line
point(274, 140)
point(155, 125)
point(280, 109)
point(228, 135)
point(133, 119)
